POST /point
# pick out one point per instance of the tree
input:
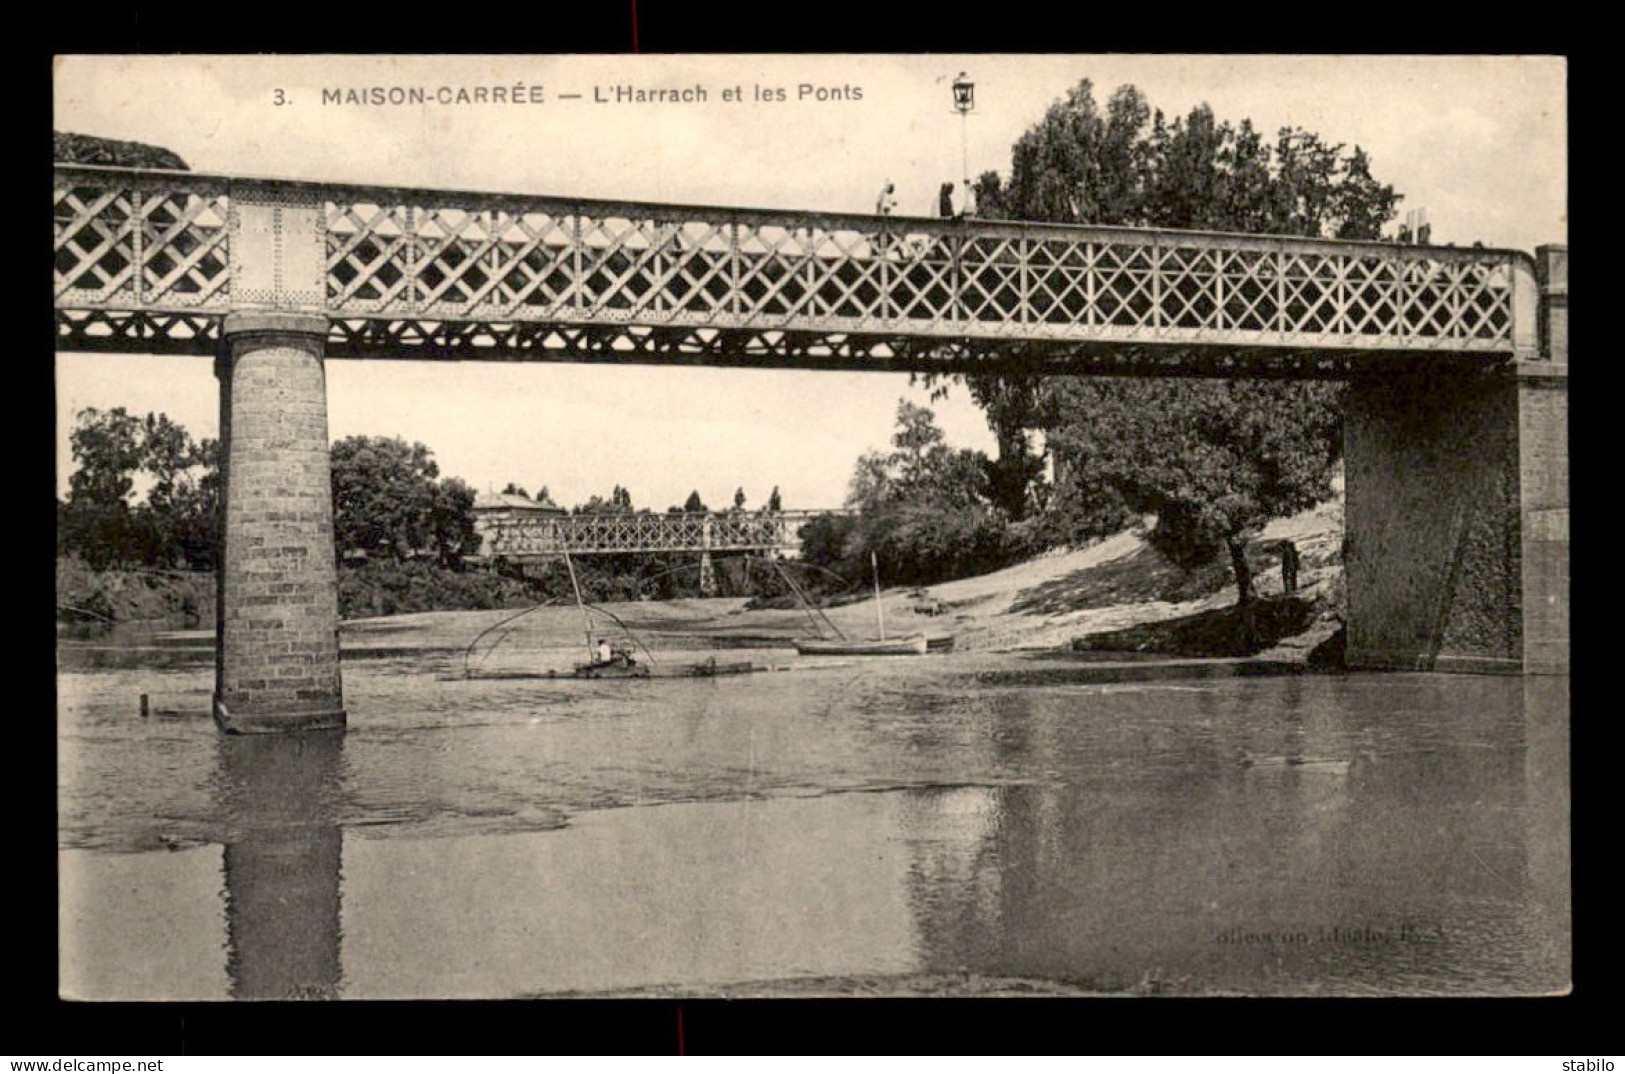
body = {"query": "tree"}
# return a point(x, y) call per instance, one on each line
point(193, 509)
point(1197, 452)
point(107, 447)
point(511, 489)
point(694, 503)
point(1212, 459)
point(827, 542)
point(102, 520)
point(180, 517)
point(451, 521)
point(70, 148)
point(923, 510)
point(774, 503)
point(619, 502)
point(388, 501)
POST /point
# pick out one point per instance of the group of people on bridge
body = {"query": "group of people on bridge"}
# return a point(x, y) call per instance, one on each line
point(946, 207)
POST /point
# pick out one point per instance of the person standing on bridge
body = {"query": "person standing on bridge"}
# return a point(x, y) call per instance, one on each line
point(887, 200)
point(945, 201)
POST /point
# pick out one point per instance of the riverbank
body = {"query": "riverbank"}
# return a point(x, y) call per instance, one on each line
point(1116, 595)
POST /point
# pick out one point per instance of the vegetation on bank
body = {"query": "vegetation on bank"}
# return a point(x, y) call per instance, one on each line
point(396, 587)
point(924, 514)
point(143, 509)
point(89, 597)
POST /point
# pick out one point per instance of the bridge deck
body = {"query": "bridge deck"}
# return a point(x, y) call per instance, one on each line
point(599, 534)
point(152, 260)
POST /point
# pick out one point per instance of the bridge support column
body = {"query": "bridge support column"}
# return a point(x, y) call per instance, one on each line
point(708, 572)
point(1456, 550)
point(276, 626)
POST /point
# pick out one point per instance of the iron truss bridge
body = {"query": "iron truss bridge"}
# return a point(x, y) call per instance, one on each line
point(151, 261)
point(734, 531)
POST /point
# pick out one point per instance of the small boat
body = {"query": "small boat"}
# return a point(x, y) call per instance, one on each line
point(1333, 765)
point(915, 645)
point(619, 665)
point(705, 669)
point(710, 669)
point(604, 659)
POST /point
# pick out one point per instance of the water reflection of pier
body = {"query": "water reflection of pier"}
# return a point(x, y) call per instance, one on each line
point(282, 864)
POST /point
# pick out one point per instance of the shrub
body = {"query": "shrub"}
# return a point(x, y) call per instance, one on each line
point(390, 587)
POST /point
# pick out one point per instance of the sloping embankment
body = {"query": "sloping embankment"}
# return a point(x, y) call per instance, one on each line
point(1120, 594)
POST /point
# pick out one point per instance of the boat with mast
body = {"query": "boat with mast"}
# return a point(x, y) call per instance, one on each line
point(913, 645)
point(605, 660)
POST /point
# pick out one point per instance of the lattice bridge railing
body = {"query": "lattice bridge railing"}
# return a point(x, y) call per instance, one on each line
point(600, 534)
point(151, 260)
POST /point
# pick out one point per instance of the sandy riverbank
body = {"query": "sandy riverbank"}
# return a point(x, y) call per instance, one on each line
point(1043, 604)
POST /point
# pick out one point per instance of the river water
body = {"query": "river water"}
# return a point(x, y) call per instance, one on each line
point(936, 825)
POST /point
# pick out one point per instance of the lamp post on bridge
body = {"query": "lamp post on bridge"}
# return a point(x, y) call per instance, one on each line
point(964, 101)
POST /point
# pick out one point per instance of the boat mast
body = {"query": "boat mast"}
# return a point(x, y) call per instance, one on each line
point(579, 602)
point(880, 614)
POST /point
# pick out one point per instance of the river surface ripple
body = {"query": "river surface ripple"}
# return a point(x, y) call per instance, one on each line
point(860, 826)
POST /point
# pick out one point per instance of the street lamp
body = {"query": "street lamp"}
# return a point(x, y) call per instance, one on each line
point(964, 101)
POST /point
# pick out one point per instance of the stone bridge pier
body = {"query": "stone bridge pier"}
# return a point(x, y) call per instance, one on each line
point(1457, 512)
point(277, 617)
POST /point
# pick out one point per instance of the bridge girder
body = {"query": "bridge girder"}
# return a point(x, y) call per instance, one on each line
point(151, 261)
point(637, 533)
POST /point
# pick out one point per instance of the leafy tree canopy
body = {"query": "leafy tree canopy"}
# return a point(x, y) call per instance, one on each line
point(104, 520)
point(921, 468)
point(1215, 459)
point(388, 501)
point(923, 511)
point(619, 502)
point(70, 148)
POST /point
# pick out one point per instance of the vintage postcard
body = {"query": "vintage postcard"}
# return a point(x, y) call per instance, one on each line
point(930, 525)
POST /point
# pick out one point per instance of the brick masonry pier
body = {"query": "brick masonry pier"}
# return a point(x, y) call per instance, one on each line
point(277, 621)
point(1457, 541)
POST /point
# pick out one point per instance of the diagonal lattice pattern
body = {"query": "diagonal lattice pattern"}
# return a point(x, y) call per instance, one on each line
point(142, 243)
point(617, 533)
point(487, 275)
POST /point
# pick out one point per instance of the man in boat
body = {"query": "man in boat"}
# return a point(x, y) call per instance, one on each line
point(607, 655)
point(613, 660)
